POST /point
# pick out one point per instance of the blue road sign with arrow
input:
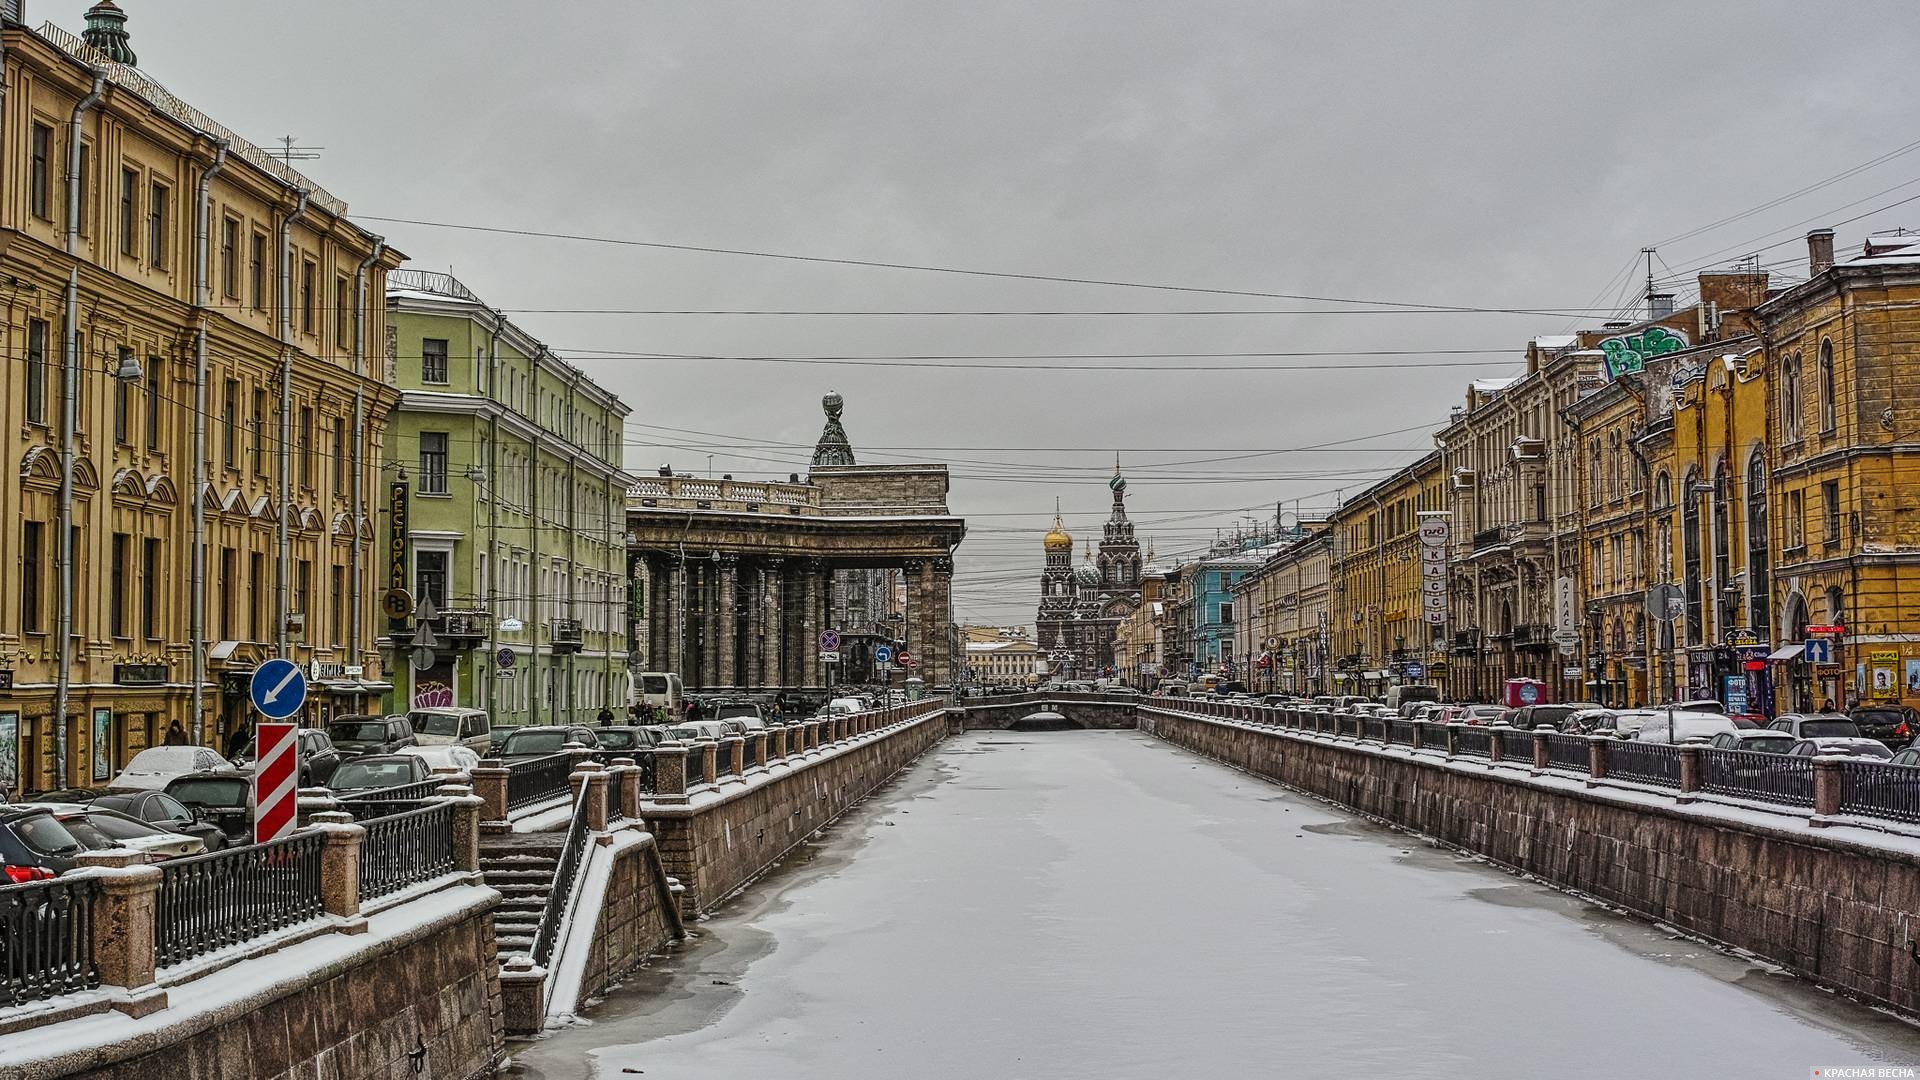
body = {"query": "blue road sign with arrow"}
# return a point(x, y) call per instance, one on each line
point(883, 654)
point(278, 689)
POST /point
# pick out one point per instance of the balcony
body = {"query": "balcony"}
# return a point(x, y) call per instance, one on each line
point(1466, 640)
point(568, 636)
point(1487, 539)
point(1532, 636)
point(464, 628)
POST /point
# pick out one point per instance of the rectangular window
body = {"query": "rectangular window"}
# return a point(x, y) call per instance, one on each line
point(307, 272)
point(117, 585)
point(433, 361)
point(339, 456)
point(121, 406)
point(342, 327)
point(260, 433)
point(230, 258)
point(40, 185)
point(159, 227)
point(150, 587)
point(1830, 495)
point(1226, 614)
point(154, 368)
point(36, 371)
point(258, 589)
point(430, 577)
point(130, 212)
point(339, 591)
point(229, 568)
point(33, 557)
point(303, 592)
point(230, 424)
point(433, 463)
point(257, 271)
point(306, 447)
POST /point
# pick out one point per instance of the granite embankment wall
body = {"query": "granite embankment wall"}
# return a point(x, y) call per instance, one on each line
point(1835, 905)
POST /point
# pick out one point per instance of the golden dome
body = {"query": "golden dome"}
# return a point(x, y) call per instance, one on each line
point(1058, 539)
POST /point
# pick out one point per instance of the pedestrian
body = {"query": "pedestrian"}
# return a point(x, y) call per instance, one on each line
point(605, 718)
point(1828, 707)
point(175, 736)
point(236, 739)
point(693, 710)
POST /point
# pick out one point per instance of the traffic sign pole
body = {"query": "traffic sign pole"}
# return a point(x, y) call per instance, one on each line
point(276, 780)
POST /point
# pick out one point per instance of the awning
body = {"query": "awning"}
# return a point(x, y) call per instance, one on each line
point(222, 650)
point(1789, 652)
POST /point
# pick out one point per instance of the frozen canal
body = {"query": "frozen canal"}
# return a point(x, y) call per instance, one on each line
point(1099, 905)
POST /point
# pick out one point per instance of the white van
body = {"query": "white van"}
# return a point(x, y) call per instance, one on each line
point(450, 726)
point(1401, 699)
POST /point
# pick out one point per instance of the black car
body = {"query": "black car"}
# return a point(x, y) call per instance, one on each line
point(1895, 725)
point(627, 737)
point(353, 735)
point(377, 771)
point(172, 813)
point(223, 806)
point(532, 742)
point(318, 757)
point(34, 846)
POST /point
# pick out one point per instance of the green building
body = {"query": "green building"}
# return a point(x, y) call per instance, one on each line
point(503, 466)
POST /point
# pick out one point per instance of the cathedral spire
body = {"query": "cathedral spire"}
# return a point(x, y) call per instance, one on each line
point(833, 447)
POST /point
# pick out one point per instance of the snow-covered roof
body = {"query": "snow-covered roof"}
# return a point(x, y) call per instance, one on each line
point(1888, 248)
point(1555, 341)
point(1493, 386)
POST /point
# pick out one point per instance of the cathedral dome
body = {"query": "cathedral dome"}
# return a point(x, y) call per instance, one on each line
point(1058, 539)
point(1086, 574)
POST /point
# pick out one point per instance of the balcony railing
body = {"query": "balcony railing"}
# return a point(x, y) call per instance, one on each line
point(1489, 538)
point(567, 635)
point(468, 626)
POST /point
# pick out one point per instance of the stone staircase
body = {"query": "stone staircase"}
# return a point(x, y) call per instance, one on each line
point(522, 869)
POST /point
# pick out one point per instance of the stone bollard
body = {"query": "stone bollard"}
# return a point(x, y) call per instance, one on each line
point(1599, 757)
point(733, 751)
point(523, 996)
point(593, 777)
point(1689, 771)
point(1419, 734)
point(340, 868)
point(1497, 742)
point(810, 737)
point(710, 758)
point(1541, 752)
point(581, 754)
point(467, 808)
point(1827, 780)
point(490, 783)
point(777, 743)
point(1453, 738)
point(123, 926)
point(670, 772)
point(757, 740)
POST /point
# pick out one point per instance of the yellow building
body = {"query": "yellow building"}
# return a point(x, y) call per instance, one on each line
point(1844, 550)
point(1287, 618)
point(1010, 661)
point(193, 323)
point(1377, 626)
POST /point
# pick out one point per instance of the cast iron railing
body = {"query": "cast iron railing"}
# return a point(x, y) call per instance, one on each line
point(1475, 742)
point(46, 939)
point(617, 781)
point(696, 765)
point(1882, 790)
point(1751, 774)
point(208, 902)
point(1646, 762)
point(1403, 732)
point(1568, 753)
point(537, 779)
point(753, 752)
point(405, 849)
point(563, 877)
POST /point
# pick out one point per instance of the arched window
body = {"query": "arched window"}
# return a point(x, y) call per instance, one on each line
point(1619, 468)
point(1722, 549)
point(1690, 558)
point(1759, 594)
point(1836, 606)
point(1790, 397)
point(1593, 471)
point(1829, 405)
point(1662, 490)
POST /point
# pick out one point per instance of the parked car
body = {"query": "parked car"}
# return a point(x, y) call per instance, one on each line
point(34, 846)
point(442, 727)
point(1895, 725)
point(698, 729)
point(499, 732)
point(844, 706)
point(371, 734)
point(1587, 721)
point(456, 757)
point(1860, 748)
point(377, 771)
point(1676, 724)
point(151, 769)
point(1626, 723)
point(1478, 714)
point(1909, 756)
point(103, 830)
point(224, 802)
point(1528, 717)
point(160, 809)
point(1763, 741)
point(629, 737)
point(538, 741)
point(318, 757)
point(1819, 727)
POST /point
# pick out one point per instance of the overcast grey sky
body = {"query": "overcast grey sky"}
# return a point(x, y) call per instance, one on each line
point(1500, 153)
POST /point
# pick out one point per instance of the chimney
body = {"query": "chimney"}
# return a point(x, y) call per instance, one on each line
point(1659, 305)
point(1819, 252)
point(107, 31)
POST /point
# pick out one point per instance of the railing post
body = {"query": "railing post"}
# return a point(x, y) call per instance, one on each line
point(759, 738)
point(810, 736)
point(630, 794)
point(523, 996)
point(340, 867)
point(1497, 745)
point(578, 754)
point(593, 777)
point(1542, 753)
point(710, 760)
point(1419, 734)
point(777, 742)
point(733, 751)
point(466, 825)
point(1599, 757)
point(490, 784)
point(1689, 770)
point(670, 772)
point(1453, 738)
point(1826, 788)
point(123, 927)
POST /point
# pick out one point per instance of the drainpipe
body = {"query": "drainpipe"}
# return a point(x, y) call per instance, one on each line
point(493, 509)
point(359, 433)
point(197, 599)
point(286, 427)
point(533, 574)
point(69, 419)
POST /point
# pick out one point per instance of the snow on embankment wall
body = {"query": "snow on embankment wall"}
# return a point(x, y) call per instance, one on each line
point(1835, 905)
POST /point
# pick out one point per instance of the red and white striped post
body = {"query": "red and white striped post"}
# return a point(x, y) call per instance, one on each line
point(276, 780)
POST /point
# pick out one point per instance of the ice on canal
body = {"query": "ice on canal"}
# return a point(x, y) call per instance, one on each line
point(1102, 905)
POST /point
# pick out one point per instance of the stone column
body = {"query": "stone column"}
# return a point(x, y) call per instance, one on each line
point(810, 626)
point(675, 591)
point(777, 742)
point(727, 640)
point(776, 621)
point(1689, 771)
point(1497, 744)
point(940, 665)
point(758, 740)
point(1826, 788)
point(656, 613)
point(340, 866)
point(755, 674)
point(670, 772)
point(490, 783)
point(1541, 754)
point(467, 808)
point(709, 751)
point(912, 630)
point(123, 927)
point(811, 741)
point(523, 996)
point(733, 756)
point(1599, 757)
point(630, 794)
point(594, 778)
point(1453, 738)
point(709, 625)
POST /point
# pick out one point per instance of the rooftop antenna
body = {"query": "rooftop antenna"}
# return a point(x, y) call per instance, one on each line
point(1648, 252)
point(290, 153)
